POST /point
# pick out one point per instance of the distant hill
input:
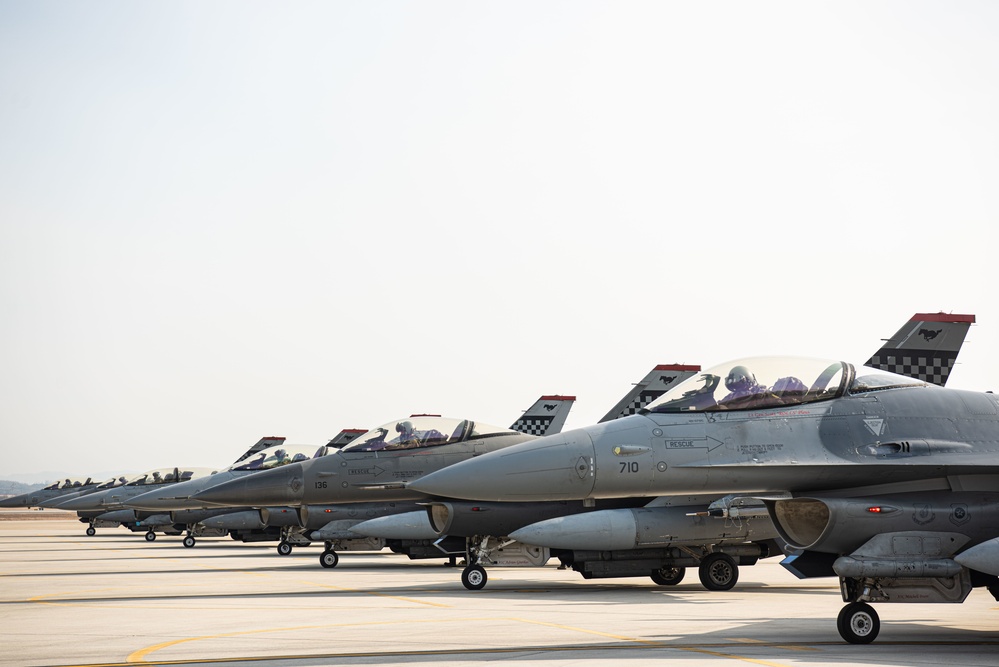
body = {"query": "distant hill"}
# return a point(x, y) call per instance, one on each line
point(11, 488)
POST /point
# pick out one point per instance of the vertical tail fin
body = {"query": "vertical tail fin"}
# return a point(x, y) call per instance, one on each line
point(339, 441)
point(546, 417)
point(655, 384)
point(925, 348)
point(263, 443)
point(344, 437)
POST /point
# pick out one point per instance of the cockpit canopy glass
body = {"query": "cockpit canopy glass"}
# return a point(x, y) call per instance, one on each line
point(168, 476)
point(872, 379)
point(274, 457)
point(113, 482)
point(69, 483)
point(423, 431)
point(755, 383)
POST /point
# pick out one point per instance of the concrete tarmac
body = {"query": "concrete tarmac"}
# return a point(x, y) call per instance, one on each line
point(115, 599)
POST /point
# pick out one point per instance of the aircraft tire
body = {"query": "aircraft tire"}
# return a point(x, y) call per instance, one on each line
point(150, 536)
point(668, 576)
point(189, 541)
point(474, 577)
point(858, 623)
point(284, 549)
point(91, 531)
point(718, 572)
point(329, 558)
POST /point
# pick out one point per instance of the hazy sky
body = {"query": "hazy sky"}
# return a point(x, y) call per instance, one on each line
point(226, 220)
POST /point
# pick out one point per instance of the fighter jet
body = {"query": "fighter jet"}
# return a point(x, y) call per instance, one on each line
point(105, 507)
point(887, 482)
point(374, 468)
point(405, 527)
point(459, 528)
point(173, 505)
point(383, 459)
point(638, 538)
point(59, 489)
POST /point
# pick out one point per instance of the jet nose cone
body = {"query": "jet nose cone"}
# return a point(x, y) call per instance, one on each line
point(281, 486)
point(92, 501)
point(155, 500)
point(16, 501)
point(557, 467)
point(58, 500)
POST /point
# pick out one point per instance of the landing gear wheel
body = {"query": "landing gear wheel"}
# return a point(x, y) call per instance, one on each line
point(718, 572)
point(474, 577)
point(150, 536)
point(668, 576)
point(189, 541)
point(284, 549)
point(91, 531)
point(329, 558)
point(858, 623)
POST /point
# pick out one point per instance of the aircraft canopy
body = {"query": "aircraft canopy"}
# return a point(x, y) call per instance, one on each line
point(774, 382)
point(168, 476)
point(273, 457)
point(422, 431)
point(69, 483)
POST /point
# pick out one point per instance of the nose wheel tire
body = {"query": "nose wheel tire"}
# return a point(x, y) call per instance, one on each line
point(474, 577)
point(858, 623)
point(150, 536)
point(668, 576)
point(329, 558)
point(189, 542)
point(91, 531)
point(284, 549)
point(718, 572)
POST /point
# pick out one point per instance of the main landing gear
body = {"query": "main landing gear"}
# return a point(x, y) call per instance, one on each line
point(284, 548)
point(329, 558)
point(474, 577)
point(669, 576)
point(858, 623)
point(718, 572)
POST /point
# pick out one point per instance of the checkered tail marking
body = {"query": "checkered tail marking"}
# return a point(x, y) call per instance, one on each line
point(926, 365)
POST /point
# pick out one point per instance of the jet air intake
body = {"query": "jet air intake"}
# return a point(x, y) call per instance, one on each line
point(842, 525)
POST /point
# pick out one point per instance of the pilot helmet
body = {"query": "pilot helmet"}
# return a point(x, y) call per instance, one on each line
point(739, 379)
point(404, 427)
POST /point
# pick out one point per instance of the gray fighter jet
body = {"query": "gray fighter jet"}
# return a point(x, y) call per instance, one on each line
point(173, 505)
point(60, 489)
point(889, 483)
point(106, 508)
point(470, 529)
point(382, 459)
point(637, 538)
point(374, 468)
